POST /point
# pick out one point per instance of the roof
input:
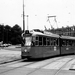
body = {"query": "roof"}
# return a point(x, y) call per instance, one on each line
point(67, 37)
point(49, 34)
point(44, 33)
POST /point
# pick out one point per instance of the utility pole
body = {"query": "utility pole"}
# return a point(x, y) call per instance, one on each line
point(27, 22)
point(23, 18)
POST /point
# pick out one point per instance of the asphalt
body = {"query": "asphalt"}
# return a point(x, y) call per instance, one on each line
point(9, 54)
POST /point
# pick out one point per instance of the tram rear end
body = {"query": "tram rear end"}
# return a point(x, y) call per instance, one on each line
point(26, 44)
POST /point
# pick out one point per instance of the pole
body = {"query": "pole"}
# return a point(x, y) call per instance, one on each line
point(27, 22)
point(23, 18)
point(3, 33)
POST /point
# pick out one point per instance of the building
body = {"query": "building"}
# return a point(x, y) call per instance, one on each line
point(67, 31)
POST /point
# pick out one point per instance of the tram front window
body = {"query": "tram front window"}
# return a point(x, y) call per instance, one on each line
point(27, 41)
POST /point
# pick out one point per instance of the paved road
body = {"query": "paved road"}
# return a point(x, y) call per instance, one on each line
point(9, 55)
point(64, 65)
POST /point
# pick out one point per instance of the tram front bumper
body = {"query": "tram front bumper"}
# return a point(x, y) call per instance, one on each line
point(25, 54)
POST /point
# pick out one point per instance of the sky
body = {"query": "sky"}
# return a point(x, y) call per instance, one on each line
point(11, 13)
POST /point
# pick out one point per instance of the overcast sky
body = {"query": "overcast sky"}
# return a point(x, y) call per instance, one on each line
point(38, 11)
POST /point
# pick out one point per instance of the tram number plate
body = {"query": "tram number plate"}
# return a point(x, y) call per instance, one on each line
point(55, 48)
point(67, 48)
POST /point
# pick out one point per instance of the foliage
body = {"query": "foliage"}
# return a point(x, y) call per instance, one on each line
point(10, 34)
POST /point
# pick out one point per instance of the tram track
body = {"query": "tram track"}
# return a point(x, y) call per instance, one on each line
point(12, 62)
point(24, 65)
point(48, 61)
point(56, 73)
point(6, 62)
point(16, 62)
point(43, 66)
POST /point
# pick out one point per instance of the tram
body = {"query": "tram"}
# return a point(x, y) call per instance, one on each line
point(42, 44)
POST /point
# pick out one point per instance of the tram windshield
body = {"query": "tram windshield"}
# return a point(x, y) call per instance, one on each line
point(27, 41)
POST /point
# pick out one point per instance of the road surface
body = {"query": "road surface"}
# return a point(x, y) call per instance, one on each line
point(64, 65)
point(9, 55)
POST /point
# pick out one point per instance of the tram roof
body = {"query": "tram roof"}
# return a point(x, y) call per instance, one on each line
point(44, 33)
point(68, 37)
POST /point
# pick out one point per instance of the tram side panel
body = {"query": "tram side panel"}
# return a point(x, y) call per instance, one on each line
point(50, 51)
point(36, 52)
point(51, 48)
point(67, 50)
point(45, 47)
point(67, 46)
point(43, 51)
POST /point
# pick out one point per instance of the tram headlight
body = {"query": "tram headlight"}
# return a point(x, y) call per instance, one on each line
point(25, 50)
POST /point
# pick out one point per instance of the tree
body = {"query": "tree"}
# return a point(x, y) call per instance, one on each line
point(7, 34)
point(10, 34)
point(1, 32)
point(16, 34)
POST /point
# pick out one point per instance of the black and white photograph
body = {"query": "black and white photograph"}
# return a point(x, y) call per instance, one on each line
point(37, 37)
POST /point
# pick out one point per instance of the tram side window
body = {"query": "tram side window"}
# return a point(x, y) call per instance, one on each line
point(44, 40)
point(63, 42)
point(40, 41)
point(70, 42)
point(48, 41)
point(73, 43)
point(52, 42)
point(67, 42)
point(57, 42)
point(37, 41)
